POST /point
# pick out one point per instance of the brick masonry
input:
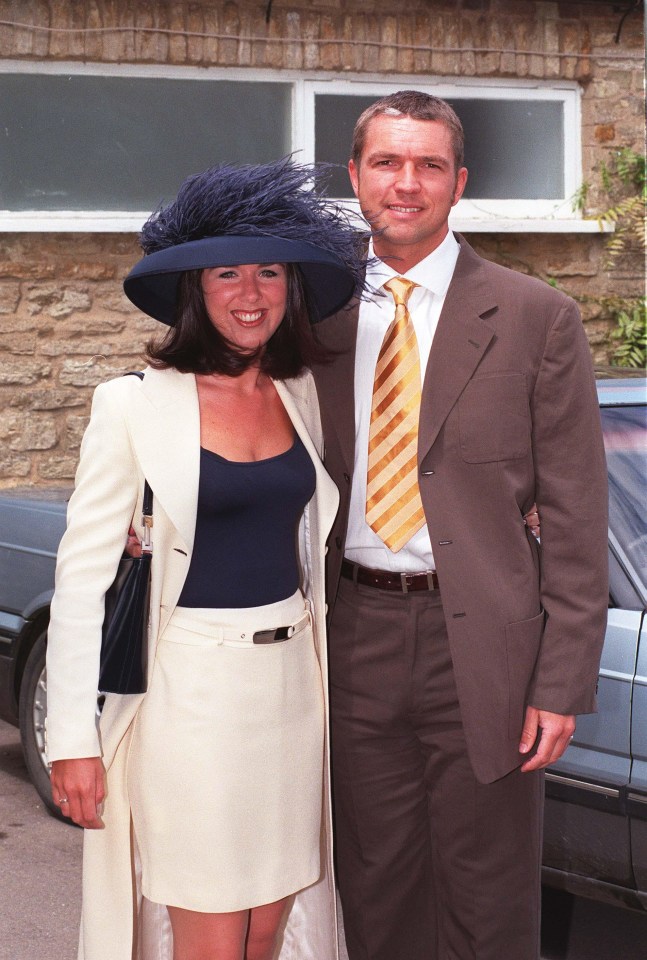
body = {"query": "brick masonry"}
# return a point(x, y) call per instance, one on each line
point(65, 324)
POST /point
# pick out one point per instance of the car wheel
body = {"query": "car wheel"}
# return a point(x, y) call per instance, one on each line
point(32, 713)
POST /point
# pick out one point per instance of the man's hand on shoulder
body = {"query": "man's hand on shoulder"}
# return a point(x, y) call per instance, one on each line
point(556, 731)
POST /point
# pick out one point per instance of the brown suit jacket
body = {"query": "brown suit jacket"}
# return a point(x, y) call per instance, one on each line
point(509, 415)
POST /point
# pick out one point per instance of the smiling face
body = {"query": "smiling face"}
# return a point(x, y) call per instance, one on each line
point(246, 303)
point(406, 182)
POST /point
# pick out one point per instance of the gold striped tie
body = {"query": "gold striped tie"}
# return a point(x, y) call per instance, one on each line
point(393, 505)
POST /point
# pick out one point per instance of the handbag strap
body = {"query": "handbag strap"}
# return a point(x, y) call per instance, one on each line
point(147, 501)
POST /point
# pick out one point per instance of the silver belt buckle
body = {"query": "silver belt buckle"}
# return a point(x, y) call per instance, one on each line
point(273, 636)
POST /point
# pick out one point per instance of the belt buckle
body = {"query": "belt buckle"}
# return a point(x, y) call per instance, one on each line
point(272, 636)
point(403, 582)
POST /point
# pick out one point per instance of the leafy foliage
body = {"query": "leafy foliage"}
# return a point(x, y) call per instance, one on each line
point(625, 173)
point(624, 180)
point(631, 331)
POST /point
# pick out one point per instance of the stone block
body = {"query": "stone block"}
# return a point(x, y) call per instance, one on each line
point(22, 432)
point(72, 301)
point(58, 468)
point(9, 297)
point(87, 270)
point(18, 345)
point(14, 465)
point(54, 399)
point(604, 132)
point(74, 430)
point(23, 372)
point(95, 324)
point(18, 323)
point(310, 33)
point(388, 59)
point(152, 47)
point(293, 52)
point(230, 24)
point(329, 53)
point(422, 38)
point(210, 45)
point(195, 26)
point(73, 346)
point(75, 373)
point(371, 59)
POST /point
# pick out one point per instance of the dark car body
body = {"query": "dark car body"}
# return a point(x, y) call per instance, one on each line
point(32, 522)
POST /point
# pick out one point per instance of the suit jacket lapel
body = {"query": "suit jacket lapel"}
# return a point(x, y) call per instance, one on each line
point(336, 382)
point(166, 435)
point(462, 337)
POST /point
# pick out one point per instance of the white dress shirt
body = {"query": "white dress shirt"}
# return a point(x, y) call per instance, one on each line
point(433, 276)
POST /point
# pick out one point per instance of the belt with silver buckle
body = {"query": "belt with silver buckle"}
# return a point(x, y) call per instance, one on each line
point(388, 579)
point(281, 633)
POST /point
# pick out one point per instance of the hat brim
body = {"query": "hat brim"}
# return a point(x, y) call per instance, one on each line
point(152, 283)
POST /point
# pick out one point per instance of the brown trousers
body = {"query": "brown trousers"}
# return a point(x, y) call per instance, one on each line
point(432, 864)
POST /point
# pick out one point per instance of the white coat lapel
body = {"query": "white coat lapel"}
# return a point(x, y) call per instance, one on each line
point(166, 437)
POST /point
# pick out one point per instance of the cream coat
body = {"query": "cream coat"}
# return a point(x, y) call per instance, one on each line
point(152, 429)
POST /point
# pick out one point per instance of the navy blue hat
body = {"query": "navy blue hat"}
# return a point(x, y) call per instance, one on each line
point(269, 213)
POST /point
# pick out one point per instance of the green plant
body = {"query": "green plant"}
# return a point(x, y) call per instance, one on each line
point(623, 179)
point(631, 331)
point(625, 183)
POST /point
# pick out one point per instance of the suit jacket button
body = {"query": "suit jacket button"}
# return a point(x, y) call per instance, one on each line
point(347, 477)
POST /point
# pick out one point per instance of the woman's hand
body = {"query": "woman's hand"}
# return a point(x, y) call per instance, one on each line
point(531, 519)
point(78, 788)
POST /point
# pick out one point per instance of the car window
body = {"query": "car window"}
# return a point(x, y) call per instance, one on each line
point(625, 440)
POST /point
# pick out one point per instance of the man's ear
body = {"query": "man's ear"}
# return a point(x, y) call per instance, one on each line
point(461, 180)
point(353, 173)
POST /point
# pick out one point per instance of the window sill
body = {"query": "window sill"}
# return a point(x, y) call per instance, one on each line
point(529, 225)
point(118, 222)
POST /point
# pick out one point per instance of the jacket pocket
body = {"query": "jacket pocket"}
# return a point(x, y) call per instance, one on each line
point(494, 418)
point(523, 639)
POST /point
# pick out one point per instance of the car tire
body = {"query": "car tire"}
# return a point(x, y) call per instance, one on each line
point(32, 713)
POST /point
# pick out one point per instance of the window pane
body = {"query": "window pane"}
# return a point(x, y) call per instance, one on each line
point(625, 441)
point(514, 149)
point(126, 143)
point(335, 118)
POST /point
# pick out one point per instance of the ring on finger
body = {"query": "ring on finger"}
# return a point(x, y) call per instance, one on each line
point(63, 800)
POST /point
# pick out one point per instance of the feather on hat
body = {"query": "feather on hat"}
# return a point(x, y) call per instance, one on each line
point(266, 213)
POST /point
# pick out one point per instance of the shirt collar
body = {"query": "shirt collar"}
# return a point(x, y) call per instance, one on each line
point(434, 272)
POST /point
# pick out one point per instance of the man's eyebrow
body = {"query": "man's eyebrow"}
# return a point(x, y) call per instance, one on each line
point(425, 158)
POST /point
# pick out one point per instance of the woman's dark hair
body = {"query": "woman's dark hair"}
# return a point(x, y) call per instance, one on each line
point(194, 345)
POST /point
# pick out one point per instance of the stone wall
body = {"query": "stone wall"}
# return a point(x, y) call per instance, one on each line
point(65, 324)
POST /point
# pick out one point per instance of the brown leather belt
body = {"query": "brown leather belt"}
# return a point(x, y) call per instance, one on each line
point(388, 580)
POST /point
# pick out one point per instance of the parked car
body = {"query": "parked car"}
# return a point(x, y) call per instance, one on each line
point(596, 795)
point(595, 833)
point(31, 525)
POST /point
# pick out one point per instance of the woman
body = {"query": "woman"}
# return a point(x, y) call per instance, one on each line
point(220, 765)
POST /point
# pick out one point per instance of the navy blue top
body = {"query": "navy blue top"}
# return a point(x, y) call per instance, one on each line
point(245, 551)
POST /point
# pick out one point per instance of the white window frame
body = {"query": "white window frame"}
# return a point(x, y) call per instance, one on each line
point(469, 215)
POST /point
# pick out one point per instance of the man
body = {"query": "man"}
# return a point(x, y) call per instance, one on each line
point(459, 650)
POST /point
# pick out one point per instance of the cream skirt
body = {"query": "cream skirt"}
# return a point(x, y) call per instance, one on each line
point(225, 769)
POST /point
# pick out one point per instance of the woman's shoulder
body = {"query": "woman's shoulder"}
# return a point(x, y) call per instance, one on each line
point(134, 383)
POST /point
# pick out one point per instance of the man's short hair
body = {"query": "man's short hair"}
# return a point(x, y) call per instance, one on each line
point(418, 106)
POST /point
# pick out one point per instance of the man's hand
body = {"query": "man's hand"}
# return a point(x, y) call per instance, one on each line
point(556, 734)
point(78, 788)
point(134, 547)
point(531, 519)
